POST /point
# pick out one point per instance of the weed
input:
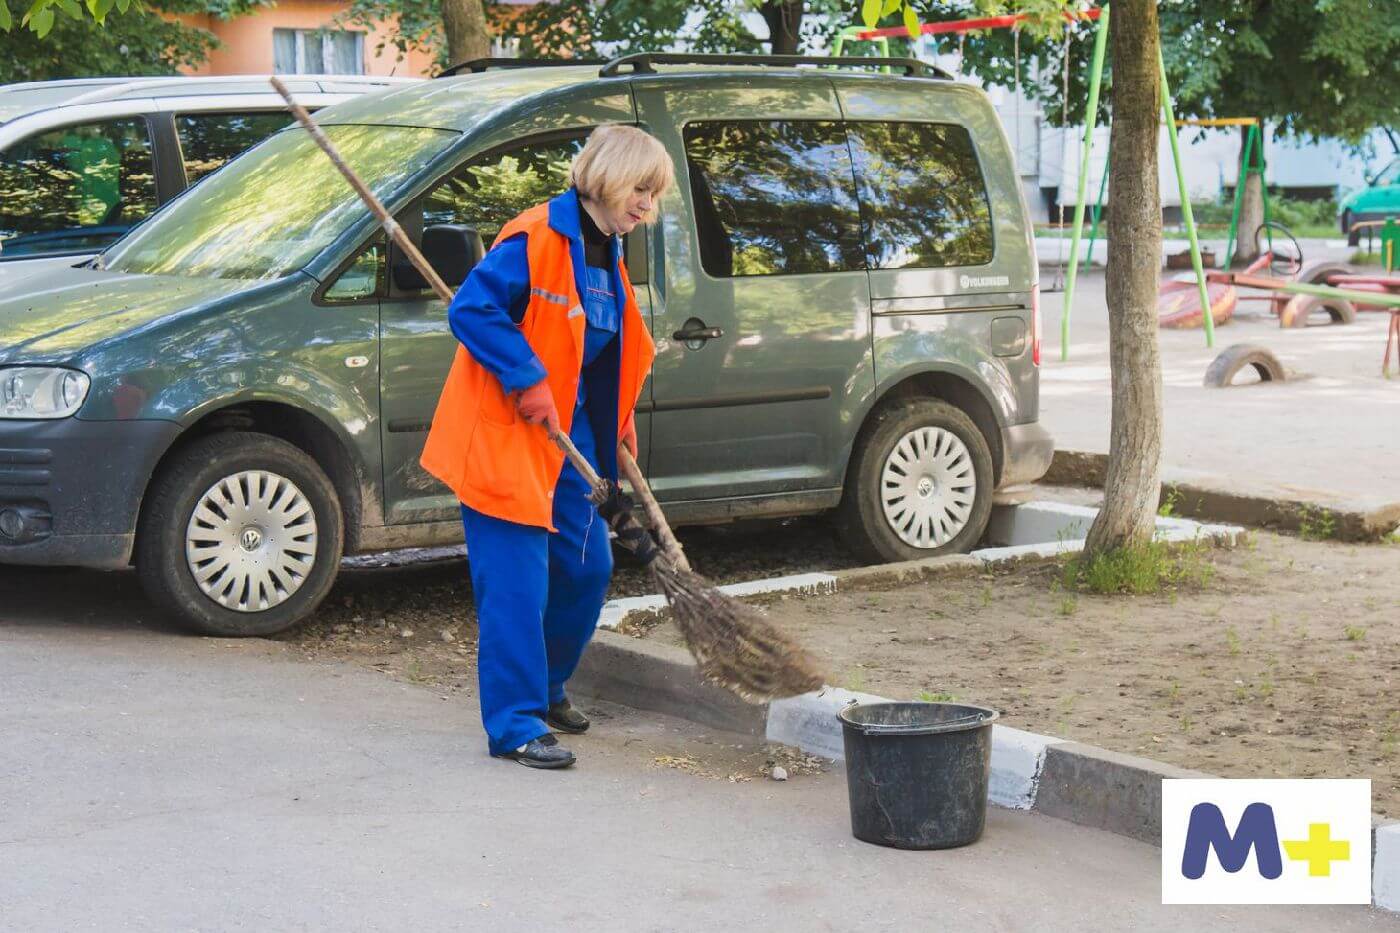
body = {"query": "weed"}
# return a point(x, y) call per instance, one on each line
point(1241, 694)
point(1175, 694)
point(1266, 686)
point(1139, 568)
point(1392, 538)
point(1232, 641)
point(1068, 605)
point(413, 670)
point(855, 681)
point(1316, 524)
point(1354, 633)
point(926, 697)
point(1185, 722)
point(986, 595)
point(1168, 507)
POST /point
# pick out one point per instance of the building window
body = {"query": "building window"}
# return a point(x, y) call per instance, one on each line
point(318, 51)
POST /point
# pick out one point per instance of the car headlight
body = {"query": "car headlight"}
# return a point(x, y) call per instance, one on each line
point(41, 391)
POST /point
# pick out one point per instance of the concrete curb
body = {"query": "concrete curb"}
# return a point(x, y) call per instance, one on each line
point(1199, 495)
point(1052, 528)
point(1067, 780)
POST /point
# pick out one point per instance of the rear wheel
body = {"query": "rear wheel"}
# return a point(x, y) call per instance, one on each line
point(919, 483)
point(241, 535)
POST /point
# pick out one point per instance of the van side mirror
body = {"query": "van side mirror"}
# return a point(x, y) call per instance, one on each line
point(451, 249)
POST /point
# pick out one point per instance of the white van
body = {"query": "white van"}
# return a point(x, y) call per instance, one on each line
point(83, 161)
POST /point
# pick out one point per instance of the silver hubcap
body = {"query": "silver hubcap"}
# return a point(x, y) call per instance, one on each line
point(927, 487)
point(251, 541)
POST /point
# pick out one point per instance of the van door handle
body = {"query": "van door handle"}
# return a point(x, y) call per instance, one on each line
point(695, 331)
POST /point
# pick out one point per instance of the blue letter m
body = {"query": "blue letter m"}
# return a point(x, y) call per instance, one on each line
point(1207, 829)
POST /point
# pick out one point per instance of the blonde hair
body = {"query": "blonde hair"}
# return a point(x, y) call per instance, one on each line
point(618, 158)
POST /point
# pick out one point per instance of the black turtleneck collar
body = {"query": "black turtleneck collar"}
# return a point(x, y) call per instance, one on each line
point(597, 250)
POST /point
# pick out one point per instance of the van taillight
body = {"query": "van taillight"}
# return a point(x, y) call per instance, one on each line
point(1035, 324)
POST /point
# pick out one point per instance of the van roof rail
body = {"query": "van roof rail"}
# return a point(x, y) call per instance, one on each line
point(645, 62)
point(478, 65)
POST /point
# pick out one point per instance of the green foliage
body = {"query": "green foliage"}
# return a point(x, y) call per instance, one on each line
point(42, 15)
point(1139, 569)
point(1309, 67)
point(1316, 524)
point(1354, 633)
point(106, 37)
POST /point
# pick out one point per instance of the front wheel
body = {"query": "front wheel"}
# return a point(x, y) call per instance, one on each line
point(919, 483)
point(241, 535)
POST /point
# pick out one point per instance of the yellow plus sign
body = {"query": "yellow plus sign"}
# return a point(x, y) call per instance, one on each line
point(1318, 850)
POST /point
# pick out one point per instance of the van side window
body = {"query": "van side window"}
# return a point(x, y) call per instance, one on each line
point(208, 140)
point(773, 198)
point(75, 189)
point(362, 278)
point(488, 192)
point(922, 194)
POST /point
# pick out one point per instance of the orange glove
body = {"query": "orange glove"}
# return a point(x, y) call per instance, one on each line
point(536, 405)
point(629, 436)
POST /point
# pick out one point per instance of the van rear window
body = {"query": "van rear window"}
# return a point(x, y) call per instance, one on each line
point(923, 197)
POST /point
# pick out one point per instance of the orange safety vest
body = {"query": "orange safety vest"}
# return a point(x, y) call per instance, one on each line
point(493, 459)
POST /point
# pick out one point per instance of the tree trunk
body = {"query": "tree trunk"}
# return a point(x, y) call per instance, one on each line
point(464, 24)
point(1132, 484)
point(1252, 210)
point(784, 19)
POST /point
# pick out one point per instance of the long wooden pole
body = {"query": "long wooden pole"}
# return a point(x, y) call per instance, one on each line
point(425, 269)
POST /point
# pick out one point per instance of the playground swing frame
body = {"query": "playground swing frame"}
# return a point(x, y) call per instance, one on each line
point(1101, 15)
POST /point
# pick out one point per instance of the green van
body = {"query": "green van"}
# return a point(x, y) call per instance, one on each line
point(842, 290)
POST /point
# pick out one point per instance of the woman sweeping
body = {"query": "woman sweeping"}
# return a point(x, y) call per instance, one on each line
point(552, 340)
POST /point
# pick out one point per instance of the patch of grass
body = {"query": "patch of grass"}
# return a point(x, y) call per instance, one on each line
point(926, 697)
point(1316, 524)
point(855, 681)
point(1068, 606)
point(1364, 258)
point(1175, 693)
point(1139, 569)
point(1185, 722)
point(1392, 538)
point(1232, 641)
point(1354, 633)
point(1266, 686)
point(986, 595)
point(1168, 507)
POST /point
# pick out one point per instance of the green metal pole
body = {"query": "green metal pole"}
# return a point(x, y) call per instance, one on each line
point(1186, 215)
point(1090, 118)
point(1241, 180)
point(852, 33)
point(1098, 212)
point(1264, 184)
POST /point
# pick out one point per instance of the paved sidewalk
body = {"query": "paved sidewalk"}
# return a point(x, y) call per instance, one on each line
point(1331, 434)
point(159, 782)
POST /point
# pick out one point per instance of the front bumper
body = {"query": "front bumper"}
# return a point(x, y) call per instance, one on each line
point(70, 490)
point(1027, 452)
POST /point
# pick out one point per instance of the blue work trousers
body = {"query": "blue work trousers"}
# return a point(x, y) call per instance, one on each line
point(538, 595)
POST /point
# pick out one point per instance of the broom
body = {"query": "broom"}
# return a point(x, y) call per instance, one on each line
point(733, 644)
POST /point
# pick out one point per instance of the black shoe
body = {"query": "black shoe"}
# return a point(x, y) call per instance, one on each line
point(565, 718)
point(543, 752)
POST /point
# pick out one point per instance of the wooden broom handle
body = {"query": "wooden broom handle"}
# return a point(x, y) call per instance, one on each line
point(409, 249)
point(633, 474)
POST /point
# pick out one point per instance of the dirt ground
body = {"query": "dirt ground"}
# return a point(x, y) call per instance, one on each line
point(1282, 665)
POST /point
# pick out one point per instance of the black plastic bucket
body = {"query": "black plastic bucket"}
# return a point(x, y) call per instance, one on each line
point(917, 772)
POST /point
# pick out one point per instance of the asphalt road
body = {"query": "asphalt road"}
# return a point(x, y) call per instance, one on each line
point(154, 781)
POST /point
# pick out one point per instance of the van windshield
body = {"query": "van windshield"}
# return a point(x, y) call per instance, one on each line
point(268, 213)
